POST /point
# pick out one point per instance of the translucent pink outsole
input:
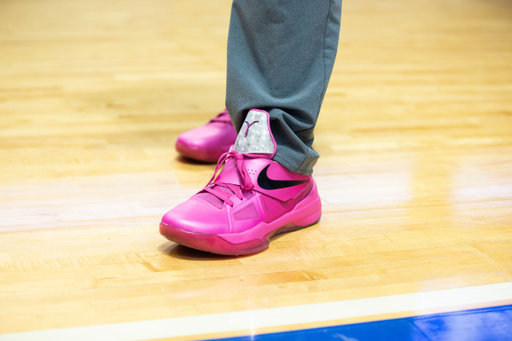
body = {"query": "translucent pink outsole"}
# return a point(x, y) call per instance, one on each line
point(216, 244)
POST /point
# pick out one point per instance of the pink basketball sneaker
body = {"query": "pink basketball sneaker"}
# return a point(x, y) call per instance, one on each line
point(251, 200)
point(209, 142)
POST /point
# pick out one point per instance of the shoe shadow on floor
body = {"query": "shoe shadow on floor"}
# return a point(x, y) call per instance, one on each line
point(178, 251)
point(186, 160)
point(175, 250)
point(191, 173)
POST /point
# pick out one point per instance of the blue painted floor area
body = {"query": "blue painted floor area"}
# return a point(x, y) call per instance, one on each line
point(487, 324)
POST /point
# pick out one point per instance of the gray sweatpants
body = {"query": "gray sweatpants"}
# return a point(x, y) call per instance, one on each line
point(280, 58)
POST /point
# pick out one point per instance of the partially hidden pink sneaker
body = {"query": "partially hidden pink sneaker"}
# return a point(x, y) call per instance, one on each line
point(207, 143)
point(251, 200)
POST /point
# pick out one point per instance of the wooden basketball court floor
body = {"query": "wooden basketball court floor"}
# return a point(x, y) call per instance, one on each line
point(415, 174)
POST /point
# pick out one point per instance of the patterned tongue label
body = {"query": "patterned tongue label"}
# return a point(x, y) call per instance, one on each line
point(255, 136)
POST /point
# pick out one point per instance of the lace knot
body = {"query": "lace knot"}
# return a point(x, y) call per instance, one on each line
point(245, 183)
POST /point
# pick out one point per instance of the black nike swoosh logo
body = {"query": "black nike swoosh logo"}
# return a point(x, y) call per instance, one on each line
point(266, 183)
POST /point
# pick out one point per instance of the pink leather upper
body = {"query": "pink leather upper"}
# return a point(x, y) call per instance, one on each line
point(252, 195)
point(200, 216)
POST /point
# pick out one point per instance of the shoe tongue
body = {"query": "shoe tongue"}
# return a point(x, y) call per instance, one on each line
point(255, 136)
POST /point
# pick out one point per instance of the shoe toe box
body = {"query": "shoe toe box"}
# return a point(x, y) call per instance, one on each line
point(211, 136)
point(198, 216)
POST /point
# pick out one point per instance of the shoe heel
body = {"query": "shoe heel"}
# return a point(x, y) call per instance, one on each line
point(309, 220)
point(311, 212)
point(315, 212)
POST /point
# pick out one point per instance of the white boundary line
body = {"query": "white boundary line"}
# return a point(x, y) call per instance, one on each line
point(253, 319)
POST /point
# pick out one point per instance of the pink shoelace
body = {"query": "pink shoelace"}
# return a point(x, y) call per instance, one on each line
point(247, 184)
